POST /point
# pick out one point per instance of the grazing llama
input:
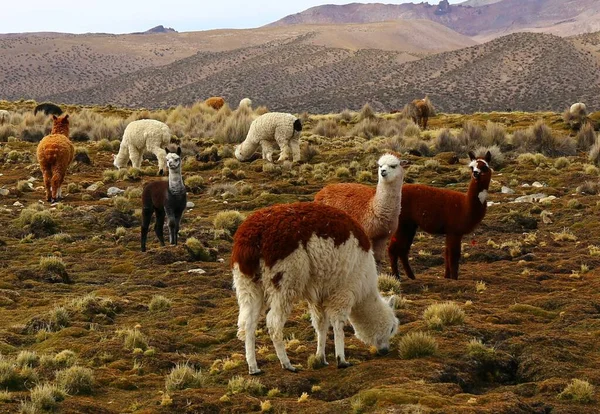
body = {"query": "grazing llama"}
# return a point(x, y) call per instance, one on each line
point(48, 108)
point(165, 198)
point(145, 134)
point(286, 253)
point(54, 153)
point(375, 209)
point(441, 211)
point(420, 110)
point(269, 130)
point(215, 102)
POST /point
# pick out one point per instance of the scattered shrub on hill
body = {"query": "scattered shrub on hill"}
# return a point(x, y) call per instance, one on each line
point(446, 142)
point(586, 137)
point(417, 345)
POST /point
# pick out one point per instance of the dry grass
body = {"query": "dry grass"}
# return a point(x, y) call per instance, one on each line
point(444, 314)
point(417, 345)
point(579, 391)
point(184, 376)
point(228, 220)
point(240, 384)
point(76, 380)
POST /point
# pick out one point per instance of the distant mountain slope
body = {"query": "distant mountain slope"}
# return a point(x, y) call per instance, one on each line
point(49, 64)
point(524, 71)
point(478, 3)
point(495, 19)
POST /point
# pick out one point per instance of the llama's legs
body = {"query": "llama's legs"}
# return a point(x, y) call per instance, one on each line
point(146, 217)
point(136, 156)
point(284, 145)
point(452, 255)
point(267, 150)
point(158, 226)
point(338, 334)
point(400, 247)
point(172, 230)
point(276, 317)
point(425, 119)
point(57, 179)
point(250, 300)
point(321, 324)
point(47, 173)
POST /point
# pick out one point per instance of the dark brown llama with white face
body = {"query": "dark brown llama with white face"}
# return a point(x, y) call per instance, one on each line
point(441, 211)
point(164, 198)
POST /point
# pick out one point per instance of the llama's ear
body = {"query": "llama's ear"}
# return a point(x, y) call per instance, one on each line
point(66, 117)
point(404, 163)
point(472, 156)
point(166, 150)
point(391, 301)
point(488, 156)
point(54, 117)
point(178, 150)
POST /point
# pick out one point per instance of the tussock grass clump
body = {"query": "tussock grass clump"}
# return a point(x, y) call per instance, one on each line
point(586, 137)
point(46, 397)
point(594, 154)
point(240, 384)
point(122, 205)
point(531, 310)
point(389, 284)
point(315, 362)
point(38, 221)
point(498, 160)
point(439, 315)
point(564, 235)
point(9, 374)
point(235, 128)
point(53, 264)
point(63, 238)
point(228, 220)
point(184, 376)
point(327, 128)
point(562, 163)
point(494, 134)
point(471, 136)
point(364, 176)
point(5, 396)
point(104, 145)
point(197, 250)
point(65, 358)
point(539, 138)
point(27, 359)
point(342, 172)
point(446, 142)
point(159, 303)
point(76, 380)
point(366, 112)
point(24, 186)
point(133, 338)
point(368, 128)
point(479, 352)
point(417, 345)
point(579, 391)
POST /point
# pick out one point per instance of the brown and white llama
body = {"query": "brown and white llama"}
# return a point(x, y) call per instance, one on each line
point(441, 211)
point(54, 153)
point(287, 253)
point(375, 209)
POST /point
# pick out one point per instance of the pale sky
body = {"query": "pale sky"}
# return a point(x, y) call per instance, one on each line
point(126, 16)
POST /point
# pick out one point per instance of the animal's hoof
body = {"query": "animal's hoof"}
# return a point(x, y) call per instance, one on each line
point(256, 372)
point(344, 364)
point(410, 277)
point(291, 368)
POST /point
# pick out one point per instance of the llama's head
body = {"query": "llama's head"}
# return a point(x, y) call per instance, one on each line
point(480, 168)
point(375, 323)
point(238, 152)
point(173, 160)
point(60, 124)
point(391, 167)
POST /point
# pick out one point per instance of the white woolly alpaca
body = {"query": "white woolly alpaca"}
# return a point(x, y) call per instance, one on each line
point(4, 116)
point(245, 102)
point(268, 131)
point(288, 253)
point(578, 109)
point(145, 134)
point(376, 209)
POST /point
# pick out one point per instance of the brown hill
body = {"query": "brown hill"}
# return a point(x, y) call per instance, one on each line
point(524, 71)
point(49, 64)
point(562, 17)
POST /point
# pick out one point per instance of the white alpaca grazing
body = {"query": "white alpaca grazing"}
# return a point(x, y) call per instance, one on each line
point(145, 134)
point(287, 253)
point(269, 131)
point(4, 116)
point(245, 102)
point(578, 109)
point(376, 209)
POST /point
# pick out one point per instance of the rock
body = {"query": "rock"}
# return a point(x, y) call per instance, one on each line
point(18, 204)
point(537, 184)
point(189, 204)
point(197, 271)
point(31, 179)
point(546, 199)
point(506, 190)
point(104, 199)
point(546, 217)
point(531, 198)
point(525, 185)
point(220, 260)
point(4, 191)
point(93, 187)
point(114, 191)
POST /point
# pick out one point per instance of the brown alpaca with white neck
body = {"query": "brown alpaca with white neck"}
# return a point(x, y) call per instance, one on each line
point(441, 211)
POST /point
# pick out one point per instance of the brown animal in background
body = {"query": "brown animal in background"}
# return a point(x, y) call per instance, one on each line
point(420, 113)
point(54, 153)
point(441, 211)
point(215, 102)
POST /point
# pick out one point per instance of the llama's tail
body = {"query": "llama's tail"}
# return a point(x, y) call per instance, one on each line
point(297, 125)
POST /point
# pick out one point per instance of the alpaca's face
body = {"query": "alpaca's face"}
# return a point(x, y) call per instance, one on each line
point(173, 161)
point(61, 121)
point(480, 167)
point(391, 168)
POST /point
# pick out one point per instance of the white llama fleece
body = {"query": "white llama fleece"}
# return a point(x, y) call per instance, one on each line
point(145, 134)
point(270, 130)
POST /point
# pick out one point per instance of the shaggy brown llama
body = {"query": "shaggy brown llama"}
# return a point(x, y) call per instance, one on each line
point(54, 153)
point(215, 102)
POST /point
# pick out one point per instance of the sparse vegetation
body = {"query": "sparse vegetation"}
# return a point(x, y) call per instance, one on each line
point(579, 391)
point(417, 345)
point(444, 314)
point(184, 376)
point(228, 220)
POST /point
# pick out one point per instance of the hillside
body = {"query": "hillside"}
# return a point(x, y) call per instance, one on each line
point(49, 64)
point(524, 71)
point(495, 19)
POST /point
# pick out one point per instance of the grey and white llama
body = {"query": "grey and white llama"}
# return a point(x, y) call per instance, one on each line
point(164, 198)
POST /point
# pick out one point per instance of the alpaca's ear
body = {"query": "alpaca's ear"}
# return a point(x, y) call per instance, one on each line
point(178, 150)
point(472, 156)
point(166, 150)
point(488, 156)
point(54, 117)
point(391, 301)
point(404, 163)
point(66, 116)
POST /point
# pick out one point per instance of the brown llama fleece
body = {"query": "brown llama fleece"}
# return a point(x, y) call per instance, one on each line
point(54, 153)
point(215, 102)
point(421, 113)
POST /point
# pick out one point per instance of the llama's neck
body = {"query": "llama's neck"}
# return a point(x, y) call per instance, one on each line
point(60, 129)
point(246, 149)
point(176, 185)
point(388, 198)
point(477, 197)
